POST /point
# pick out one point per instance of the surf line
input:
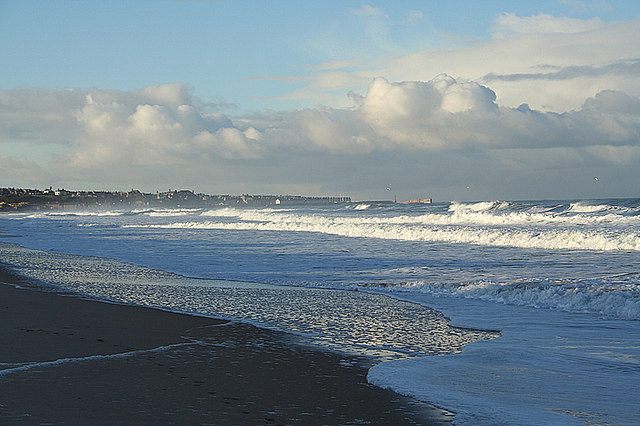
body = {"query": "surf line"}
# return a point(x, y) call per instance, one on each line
point(54, 363)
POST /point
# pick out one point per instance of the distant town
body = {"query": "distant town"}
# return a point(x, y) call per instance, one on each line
point(20, 199)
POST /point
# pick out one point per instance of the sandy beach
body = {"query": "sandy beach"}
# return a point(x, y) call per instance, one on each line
point(70, 360)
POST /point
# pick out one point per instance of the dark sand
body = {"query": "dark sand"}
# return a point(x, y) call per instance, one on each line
point(221, 372)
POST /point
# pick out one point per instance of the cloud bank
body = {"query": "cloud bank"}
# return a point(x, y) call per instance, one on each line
point(438, 136)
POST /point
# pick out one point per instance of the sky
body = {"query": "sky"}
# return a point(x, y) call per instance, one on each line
point(456, 100)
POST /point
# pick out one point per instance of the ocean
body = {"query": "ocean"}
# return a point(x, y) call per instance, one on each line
point(502, 312)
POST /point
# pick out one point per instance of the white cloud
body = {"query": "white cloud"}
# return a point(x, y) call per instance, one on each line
point(443, 129)
point(156, 125)
point(442, 113)
point(446, 114)
point(550, 63)
point(398, 103)
point(551, 71)
point(508, 24)
point(230, 143)
point(175, 94)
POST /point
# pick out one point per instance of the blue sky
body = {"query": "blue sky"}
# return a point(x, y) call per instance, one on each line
point(226, 49)
point(254, 95)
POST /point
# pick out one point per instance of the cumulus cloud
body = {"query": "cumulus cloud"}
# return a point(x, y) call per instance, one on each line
point(175, 94)
point(444, 113)
point(551, 63)
point(153, 126)
point(418, 114)
point(156, 125)
point(614, 102)
point(108, 136)
point(450, 124)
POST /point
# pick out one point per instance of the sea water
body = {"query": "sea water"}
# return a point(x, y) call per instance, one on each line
point(559, 280)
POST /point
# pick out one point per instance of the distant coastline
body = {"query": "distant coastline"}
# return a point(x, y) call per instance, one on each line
point(20, 199)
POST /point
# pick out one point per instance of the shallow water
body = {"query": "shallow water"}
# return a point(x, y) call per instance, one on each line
point(370, 324)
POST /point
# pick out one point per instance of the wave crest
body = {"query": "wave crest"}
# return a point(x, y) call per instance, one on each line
point(611, 300)
point(549, 238)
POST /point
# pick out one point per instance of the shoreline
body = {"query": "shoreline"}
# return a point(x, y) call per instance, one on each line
point(108, 363)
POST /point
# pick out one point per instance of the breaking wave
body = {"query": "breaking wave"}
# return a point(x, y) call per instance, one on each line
point(569, 227)
point(550, 239)
point(615, 298)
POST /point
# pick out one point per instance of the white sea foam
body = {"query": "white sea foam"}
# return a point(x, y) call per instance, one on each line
point(362, 206)
point(110, 213)
point(170, 212)
point(415, 229)
point(233, 212)
point(611, 300)
point(482, 206)
point(502, 215)
point(592, 208)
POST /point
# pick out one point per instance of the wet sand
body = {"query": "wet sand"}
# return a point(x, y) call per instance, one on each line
point(68, 360)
